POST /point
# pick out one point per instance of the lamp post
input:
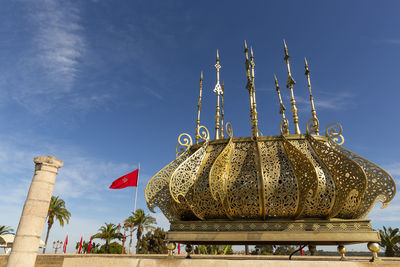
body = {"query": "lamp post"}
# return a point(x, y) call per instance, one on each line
point(57, 245)
point(125, 227)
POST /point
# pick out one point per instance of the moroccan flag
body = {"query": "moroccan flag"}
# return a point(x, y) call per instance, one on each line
point(129, 179)
point(65, 244)
point(80, 246)
point(90, 245)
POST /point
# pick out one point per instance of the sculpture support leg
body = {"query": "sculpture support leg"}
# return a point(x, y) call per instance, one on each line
point(188, 251)
point(34, 214)
point(342, 250)
point(171, 246)
point(374, 248)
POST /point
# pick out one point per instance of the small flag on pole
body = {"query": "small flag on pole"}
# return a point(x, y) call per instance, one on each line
point(65, 244)
point(129, 179)
point(90, 245)
point(80, 246)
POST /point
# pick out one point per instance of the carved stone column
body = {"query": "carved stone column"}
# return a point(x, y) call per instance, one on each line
point(33, 217)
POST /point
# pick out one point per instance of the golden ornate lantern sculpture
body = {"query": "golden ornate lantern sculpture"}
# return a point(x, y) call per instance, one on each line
point(285, 189)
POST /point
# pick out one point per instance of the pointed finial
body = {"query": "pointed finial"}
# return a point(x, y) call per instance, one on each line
point(282, 108)
point(251, 53)
point(222, 111)
point(246, 52)
point(218, 91)
point(197, 134)
point(276, 83)
point(285, 49)
point(306, 66)
point(289, 84)
point(313, 111)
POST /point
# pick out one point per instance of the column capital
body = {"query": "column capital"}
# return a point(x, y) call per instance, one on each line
point(49, 161)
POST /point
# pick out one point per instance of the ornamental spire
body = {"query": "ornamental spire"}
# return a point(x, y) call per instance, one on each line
point(313, 111)
point(197, 135)
point(250, 86)
point(289, 84)
point(218, 91)
point(282, 108)
point(222, 111)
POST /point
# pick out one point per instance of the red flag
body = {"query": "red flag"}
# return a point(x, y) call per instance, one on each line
point(80, 246)
point(179, 248)
point(65, 244)
point(90, 245)
point(129, 179)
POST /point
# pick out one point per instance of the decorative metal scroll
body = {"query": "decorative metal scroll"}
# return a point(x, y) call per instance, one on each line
point(305, 174)
point(203, 133)
point(312, 126)
point(219, 171)
point(350, 179)
point(333, 134)
point(184, 176)
point(183, 143)
point(157, 189)
point(380, 186)
point(284, 126)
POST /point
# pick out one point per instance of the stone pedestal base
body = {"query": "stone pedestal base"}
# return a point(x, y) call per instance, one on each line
point(273, 232)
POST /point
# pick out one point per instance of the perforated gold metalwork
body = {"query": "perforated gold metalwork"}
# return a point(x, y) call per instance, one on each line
point(380, 186)
point(184, 142)
point(348, 176)
point(305, 174)
point(280, 184)
point(219, 172)
point(321, 205)
point(184, 176)
point(183, 210)
point(203, 204)
point(242, 183)
point(157, 189)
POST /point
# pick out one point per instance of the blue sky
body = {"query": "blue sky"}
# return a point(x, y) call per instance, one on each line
point(103, 85)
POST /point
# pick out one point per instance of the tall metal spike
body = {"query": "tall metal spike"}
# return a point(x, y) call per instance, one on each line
point(218, 91)
point(249, 83)
point(222, 111)
point(253, 94)
point(197, 135)
point(282, 108)
point(289, 84)
point(313, 111)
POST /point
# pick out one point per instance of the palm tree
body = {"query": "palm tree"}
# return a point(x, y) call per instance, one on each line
point(142, 222)
point(108, 232)
point(6, 230)
point(56, 210)
point(389, 240)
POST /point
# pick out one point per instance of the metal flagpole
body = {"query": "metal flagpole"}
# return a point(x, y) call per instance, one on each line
point(137, 185)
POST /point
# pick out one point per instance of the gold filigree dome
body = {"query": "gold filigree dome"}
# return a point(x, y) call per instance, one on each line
point(292, 176)
point(261, 177)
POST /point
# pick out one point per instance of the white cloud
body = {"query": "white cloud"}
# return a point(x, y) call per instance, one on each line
point(59, 42)
point(391, 41)
point(393, 168)
point(337, 101)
